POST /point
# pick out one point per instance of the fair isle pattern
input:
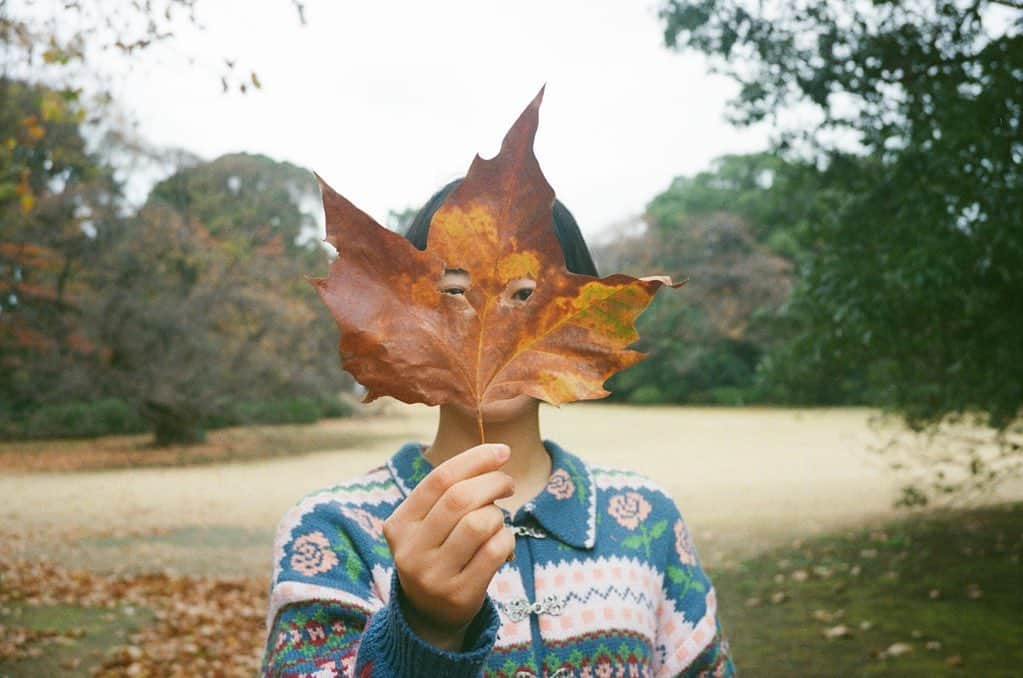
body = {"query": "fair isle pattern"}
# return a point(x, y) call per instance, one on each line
point(371, 489)
point(607, 478)
point(609, 544)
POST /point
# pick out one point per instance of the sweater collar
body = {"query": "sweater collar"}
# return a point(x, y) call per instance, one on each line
point(566, 507)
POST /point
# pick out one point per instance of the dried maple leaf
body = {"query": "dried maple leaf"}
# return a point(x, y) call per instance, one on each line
point(402, 335)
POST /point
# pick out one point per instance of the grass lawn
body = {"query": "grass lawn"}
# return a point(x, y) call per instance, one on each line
point(932, 595)
point(64, 640)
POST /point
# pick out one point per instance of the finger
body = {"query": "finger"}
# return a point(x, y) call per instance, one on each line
point(488, 559)
point(472, 462)
point(471, 532)
point(462, 498)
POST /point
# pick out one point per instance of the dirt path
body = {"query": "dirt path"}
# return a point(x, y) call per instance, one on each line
point(743, 478)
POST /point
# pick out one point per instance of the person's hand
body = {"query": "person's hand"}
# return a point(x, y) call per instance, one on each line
point(448, 540)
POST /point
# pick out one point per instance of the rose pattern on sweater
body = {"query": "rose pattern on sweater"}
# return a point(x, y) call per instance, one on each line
point(560, 484)
point(629, 509)
point(311, 554)
point(684, 544)
point(369, 523)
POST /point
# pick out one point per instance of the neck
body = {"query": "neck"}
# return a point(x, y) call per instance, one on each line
point(457, 431)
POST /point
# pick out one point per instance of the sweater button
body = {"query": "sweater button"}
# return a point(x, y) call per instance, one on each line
point(519, 609)
point(527, 531)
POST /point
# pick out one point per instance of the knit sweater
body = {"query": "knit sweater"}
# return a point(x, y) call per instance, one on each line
point(606, 581)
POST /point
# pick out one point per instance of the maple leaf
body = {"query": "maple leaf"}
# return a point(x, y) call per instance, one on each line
point(402, 335)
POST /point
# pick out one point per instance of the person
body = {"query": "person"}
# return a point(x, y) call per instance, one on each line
point(509, 559)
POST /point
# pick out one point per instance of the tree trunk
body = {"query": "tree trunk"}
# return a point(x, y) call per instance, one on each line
point(175, 424)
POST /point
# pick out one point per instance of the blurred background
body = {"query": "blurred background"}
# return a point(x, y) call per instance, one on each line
point(833, 399)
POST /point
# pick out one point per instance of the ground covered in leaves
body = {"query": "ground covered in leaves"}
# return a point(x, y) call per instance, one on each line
point(246, 443)
point(55, 621)
point(937, 594)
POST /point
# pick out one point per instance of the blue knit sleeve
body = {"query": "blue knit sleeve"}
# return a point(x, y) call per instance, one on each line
point(689, 631)
point(335, 605)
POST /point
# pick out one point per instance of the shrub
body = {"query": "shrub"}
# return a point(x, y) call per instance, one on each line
point(298, 410)
point(647, 394)
point(333, 406)
point(731, 395)
point(80, 420)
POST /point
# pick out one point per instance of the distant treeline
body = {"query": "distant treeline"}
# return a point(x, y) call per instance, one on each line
point(188, 313)
point(737, 233)
point(192, 311)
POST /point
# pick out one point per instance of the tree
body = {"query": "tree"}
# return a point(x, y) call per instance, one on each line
point(55, 197)
point(705, 342)
point(71, 47)
point(205, 306)
point(915, 248)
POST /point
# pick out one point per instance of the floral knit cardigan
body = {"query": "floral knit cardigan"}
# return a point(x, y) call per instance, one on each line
point(605, 582)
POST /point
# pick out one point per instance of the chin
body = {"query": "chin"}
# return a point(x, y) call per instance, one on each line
point(500, 411)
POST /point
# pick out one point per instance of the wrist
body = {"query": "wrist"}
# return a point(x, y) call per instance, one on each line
point(436, 634)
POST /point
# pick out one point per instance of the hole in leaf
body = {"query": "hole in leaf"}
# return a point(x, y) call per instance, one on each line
point(519, 290)
point(454, 281)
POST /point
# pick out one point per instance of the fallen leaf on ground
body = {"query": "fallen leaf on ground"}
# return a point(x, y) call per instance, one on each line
point(203, 626)
point(898, 649)
point(840, 631)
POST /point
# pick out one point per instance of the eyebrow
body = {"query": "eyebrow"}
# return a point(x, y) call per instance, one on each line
point(456, 271)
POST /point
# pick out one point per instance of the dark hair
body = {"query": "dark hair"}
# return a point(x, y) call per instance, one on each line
point(577, 255)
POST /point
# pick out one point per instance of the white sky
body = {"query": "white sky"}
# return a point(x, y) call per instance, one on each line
point(389, 100)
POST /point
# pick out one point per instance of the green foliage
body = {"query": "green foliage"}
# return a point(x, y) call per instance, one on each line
point(332, 406)
point(913, 252)
point(732, 231)
point(247, 200)
point(283, 411)
point(646, 394)
point(731, 395)
point(75, 420)
point(761, 189)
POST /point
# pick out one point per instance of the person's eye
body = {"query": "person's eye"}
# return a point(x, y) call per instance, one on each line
point(523, 293)
point(453, 290)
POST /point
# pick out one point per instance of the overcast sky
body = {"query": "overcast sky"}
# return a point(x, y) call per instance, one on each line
point(389, 100)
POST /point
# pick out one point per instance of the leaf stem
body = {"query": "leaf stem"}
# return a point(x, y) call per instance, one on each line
point(479, 424)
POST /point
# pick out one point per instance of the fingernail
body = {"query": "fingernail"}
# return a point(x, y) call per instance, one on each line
point(502, 452)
